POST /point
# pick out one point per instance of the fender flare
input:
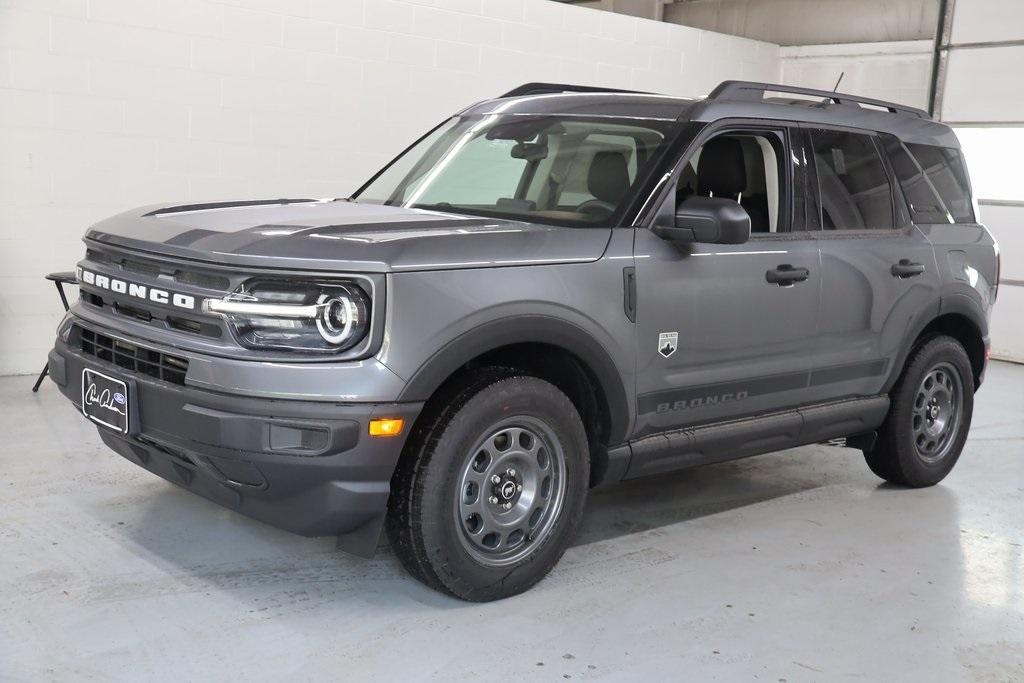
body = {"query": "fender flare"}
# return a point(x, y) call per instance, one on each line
point(958, 304)
point(520, 329)
point(964, 305)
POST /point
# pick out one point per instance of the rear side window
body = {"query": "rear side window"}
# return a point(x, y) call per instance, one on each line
point(945, 169)
point(853, 186)
point(925, 205)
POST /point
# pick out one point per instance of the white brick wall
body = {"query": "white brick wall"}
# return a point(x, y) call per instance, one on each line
point(897, 72)
point(110, 104)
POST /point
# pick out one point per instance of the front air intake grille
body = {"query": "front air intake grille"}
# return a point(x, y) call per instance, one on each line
point(202, 280)
point(156, 269)
point(133, 358)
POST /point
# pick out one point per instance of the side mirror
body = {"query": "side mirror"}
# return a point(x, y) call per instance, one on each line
point(709, 220)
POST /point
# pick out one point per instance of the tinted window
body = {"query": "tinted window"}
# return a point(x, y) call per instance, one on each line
point(805, 200)
point(853, 186)
point(925, 205)
point(945, 169)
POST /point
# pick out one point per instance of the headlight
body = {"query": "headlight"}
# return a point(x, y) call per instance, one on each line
point(279, 314)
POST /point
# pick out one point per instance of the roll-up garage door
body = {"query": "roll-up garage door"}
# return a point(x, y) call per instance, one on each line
point(980, 91)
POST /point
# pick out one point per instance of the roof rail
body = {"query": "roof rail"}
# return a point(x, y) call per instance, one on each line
point(749, 91)
point(555, 88)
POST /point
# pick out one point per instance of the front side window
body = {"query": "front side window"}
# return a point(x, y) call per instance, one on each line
point(745, 167)
point(853, 187)
point(561, 170)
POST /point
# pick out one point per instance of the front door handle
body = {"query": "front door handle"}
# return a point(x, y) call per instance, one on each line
point(786, 275)
point(906, 268)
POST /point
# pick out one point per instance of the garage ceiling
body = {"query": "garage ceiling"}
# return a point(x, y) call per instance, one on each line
point(792, 22)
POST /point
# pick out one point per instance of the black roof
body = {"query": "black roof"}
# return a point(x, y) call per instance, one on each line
point(731, 99)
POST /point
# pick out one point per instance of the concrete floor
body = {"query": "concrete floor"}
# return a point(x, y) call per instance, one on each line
point(792, 566)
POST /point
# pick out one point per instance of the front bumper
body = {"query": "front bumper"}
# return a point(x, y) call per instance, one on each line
point(309, 467)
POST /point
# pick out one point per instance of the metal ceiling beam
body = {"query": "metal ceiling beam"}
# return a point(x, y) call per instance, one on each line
point(811, 22)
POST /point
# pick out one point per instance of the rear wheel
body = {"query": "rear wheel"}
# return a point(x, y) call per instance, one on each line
point(490, 492)
point(929, 418)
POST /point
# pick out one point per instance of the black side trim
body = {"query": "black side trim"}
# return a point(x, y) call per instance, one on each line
point(181, 208)
point(844, 373)
point(759, 386)
point(616, 463)
point(754, 435)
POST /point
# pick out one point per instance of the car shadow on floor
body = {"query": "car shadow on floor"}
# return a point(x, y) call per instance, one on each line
point(201, 543)
point(641, 504)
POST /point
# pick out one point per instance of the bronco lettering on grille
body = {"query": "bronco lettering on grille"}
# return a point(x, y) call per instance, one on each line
point(138, 291)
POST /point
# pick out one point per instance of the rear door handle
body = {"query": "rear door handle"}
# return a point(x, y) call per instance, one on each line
point(906, 268)
point(786, 275)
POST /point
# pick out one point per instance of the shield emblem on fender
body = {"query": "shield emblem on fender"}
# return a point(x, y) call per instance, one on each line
point(667, 343)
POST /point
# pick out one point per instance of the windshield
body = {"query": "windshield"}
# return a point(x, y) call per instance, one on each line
point(548, 169)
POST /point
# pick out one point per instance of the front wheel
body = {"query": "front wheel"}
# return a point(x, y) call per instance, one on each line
point(490, 492)
point(929, 417)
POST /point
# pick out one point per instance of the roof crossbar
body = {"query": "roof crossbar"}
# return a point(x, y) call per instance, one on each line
point(748, 91)
point(555, 88)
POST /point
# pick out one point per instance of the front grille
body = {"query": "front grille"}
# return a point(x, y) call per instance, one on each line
point(154, 269)
point(132, 357)
point(206, 280)
point(150, 269)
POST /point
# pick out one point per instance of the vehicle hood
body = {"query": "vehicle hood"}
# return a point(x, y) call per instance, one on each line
point(343, 235)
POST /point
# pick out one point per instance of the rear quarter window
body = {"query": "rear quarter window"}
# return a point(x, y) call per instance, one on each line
point(945, 169)
point(924, 202)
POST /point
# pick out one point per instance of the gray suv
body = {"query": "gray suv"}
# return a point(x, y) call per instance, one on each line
point(553, 290)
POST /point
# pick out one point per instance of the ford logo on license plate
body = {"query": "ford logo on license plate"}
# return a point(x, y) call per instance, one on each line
point(105, 400)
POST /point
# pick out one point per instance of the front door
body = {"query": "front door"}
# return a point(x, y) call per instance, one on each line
point(726, 331)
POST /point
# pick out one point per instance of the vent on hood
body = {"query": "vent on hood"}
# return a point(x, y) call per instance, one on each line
point(182, 208)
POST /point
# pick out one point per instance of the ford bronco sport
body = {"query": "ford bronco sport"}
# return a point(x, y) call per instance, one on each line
point(560, 288)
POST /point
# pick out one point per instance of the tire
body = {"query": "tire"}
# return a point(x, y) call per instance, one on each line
point(458, 530)
point(929, 416)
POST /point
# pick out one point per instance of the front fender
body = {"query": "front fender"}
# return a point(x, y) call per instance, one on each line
point(525, 328)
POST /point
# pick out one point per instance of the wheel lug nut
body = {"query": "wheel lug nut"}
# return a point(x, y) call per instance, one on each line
point(493, 500)
point(511, 472)
point(495, 479)
point(519, 487)
point(507, 506)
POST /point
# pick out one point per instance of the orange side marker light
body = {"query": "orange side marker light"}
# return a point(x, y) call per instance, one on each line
point(386, 426)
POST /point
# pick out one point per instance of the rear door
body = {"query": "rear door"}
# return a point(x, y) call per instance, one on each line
point(878, 272)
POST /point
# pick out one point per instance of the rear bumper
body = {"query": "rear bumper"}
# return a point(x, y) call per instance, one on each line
point(309, 467)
